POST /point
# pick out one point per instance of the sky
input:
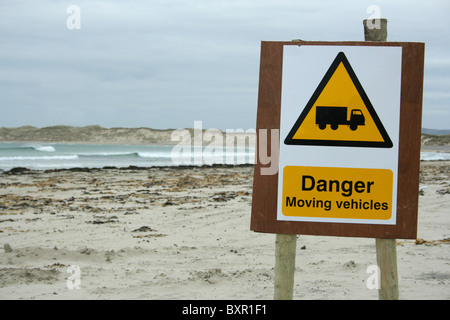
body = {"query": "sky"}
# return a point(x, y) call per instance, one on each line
point(167, 63)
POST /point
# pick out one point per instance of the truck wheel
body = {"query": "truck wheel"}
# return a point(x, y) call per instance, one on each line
point(322, 126)
point(353, 127)
point(334, 126)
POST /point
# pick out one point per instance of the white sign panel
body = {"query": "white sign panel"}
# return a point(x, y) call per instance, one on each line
point(339, 134)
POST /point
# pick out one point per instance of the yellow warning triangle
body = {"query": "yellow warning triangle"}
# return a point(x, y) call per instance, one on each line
point(339, 113)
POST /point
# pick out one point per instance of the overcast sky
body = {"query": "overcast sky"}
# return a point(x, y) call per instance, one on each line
point(166, 63)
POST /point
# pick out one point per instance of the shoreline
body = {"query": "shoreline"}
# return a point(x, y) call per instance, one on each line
point(24, 170)
point(20, 170)
point(435, 148)
point(424, 147)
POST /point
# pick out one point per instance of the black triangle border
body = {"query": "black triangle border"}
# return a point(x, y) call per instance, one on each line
point(387, 143)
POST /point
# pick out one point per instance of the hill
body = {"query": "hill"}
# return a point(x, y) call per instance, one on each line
point(435, 131)
point(100, 135)
point(435, 140)
point(88, 134)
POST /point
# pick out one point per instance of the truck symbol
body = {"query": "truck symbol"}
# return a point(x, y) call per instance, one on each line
point(335, 116)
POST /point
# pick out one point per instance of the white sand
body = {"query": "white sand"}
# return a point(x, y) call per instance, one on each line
point(184, 234)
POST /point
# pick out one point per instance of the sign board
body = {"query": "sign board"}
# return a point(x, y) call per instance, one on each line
point(338, 162)
point(349, 121)
point(339, 100)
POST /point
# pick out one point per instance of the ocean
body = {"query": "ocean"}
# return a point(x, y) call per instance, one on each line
point(44, 156)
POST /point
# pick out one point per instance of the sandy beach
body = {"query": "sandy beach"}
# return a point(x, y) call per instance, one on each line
point(183, 233)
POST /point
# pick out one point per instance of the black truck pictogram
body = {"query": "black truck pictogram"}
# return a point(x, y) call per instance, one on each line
point(336, 116)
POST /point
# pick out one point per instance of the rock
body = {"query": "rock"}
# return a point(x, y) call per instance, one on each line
point(350, 265)
point(168, 203)
point(17, 170)
point(7, 248)
point(420, 241)
point(443, 191)
point(143, 229)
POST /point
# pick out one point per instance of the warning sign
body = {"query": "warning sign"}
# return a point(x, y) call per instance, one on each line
point(337, 192)
point(339, 159)
point(346, 139)
point(339, 113)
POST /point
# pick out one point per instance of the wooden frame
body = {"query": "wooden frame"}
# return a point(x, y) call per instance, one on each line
point(264, 205)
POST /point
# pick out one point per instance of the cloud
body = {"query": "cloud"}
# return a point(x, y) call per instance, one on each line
point(167, 63)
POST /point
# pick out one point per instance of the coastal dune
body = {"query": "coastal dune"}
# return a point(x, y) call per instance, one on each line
point(87, 134)
point(96, 134)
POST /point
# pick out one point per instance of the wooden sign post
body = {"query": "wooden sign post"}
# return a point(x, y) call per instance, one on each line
point(349, 121)
point(285, 250)
point(386, 248)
